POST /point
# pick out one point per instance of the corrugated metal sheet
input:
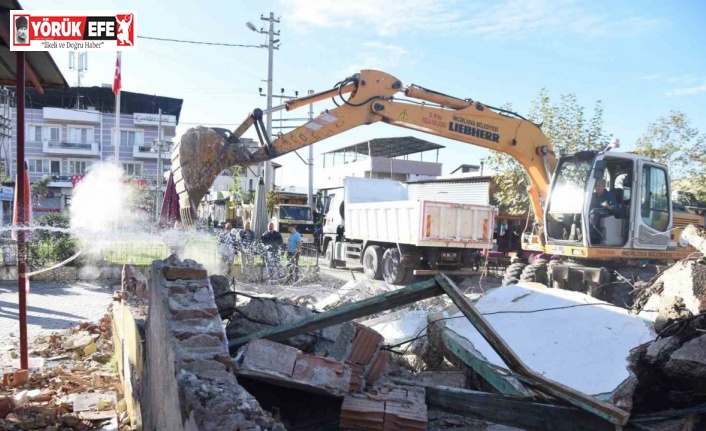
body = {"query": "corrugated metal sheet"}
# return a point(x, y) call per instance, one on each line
point(462, 193)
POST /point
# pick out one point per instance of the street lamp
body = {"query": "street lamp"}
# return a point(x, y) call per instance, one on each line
point(251, 26)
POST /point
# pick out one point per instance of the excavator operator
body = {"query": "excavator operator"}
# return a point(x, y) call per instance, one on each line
point(603, 204)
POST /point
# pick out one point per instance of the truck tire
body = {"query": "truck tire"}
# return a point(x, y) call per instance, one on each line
point(513, 273)
point(392, 270)
point(536, 273)
point(372, 262)
point(329, 255)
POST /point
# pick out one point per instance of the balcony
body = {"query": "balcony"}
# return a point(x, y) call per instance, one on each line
point(145, 152)
point(69, 148)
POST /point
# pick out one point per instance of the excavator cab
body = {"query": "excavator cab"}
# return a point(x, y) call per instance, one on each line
point(608, 200)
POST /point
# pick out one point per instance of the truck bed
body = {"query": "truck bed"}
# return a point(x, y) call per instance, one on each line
point(422, 223)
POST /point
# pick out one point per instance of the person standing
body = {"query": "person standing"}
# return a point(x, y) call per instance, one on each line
point(272, 241)
point(294, 246)
point(227, 249)
point(247, 244)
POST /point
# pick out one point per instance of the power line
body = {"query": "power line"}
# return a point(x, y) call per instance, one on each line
point(195, 42)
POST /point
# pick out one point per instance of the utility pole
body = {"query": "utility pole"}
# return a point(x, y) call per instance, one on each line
point(310, 195)
point(158, 202)
point(271, 41)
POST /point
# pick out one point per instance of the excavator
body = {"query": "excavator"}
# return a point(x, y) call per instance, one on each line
point(581, 248)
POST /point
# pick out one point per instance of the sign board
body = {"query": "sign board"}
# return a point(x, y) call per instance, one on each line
point(153, 119)
point(7, 193)
point(66, 31)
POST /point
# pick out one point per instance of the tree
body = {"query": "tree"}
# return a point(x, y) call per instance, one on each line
point(566, 127)
point(673, 141)
point(236, 188)
point(271, 200)
point(40, 188)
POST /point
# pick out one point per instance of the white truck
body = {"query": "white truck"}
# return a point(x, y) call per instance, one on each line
point(373, 223)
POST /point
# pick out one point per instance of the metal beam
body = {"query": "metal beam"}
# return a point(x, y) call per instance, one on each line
point(605, 410)
point(408, 295)
point(31, 74)
point(521, 412)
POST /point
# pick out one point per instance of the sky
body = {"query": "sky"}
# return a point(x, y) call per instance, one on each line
point(641, 59)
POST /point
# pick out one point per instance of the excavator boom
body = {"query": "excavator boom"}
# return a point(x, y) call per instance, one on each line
point(204, 152)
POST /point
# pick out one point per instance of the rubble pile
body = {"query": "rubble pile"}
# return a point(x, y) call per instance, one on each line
point(189, 381)
point(74, 385)
point(672, 370)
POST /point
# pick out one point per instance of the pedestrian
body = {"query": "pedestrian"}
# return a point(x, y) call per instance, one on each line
point(273, 243)
point(294, 247)
point(247, 245)
point(227, 249)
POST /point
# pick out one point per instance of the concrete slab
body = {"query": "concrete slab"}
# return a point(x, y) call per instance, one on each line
point(576, 340)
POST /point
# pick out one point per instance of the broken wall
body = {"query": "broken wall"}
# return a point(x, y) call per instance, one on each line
point(189, 383)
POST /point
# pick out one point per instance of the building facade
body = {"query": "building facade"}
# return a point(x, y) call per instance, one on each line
point(68, 132)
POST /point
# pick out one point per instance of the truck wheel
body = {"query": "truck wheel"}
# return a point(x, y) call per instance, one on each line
point(513, 273)
point(392, 271)
point(372, 262)
point(329, 255)
point(536, 273)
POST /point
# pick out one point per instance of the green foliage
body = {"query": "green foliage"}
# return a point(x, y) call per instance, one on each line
point(40, 187)
point(673, 141)
point(47, 247)
point(236, 187)
point(271, 200)
point(566, 127)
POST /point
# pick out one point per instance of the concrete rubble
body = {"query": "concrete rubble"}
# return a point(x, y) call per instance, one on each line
point(413, 367)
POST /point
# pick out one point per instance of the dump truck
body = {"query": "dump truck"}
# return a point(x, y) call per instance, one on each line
point(373, 223)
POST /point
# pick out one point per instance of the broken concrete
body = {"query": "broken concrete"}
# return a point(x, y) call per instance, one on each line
point(286, 366)
point(389, 408)
point(688, 363)
point(266, 312)
point(563, 342)
point(185, 387)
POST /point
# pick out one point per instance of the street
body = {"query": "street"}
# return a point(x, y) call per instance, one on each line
point(51, 306)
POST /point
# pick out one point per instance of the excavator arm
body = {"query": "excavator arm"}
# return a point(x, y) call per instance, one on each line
point(204, 152)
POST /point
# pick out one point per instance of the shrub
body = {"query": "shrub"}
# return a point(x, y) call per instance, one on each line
point(47, 247)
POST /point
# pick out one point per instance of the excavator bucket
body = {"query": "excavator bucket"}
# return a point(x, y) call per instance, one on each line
point(202, 153)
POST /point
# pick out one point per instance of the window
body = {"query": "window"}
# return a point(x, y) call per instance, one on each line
point(129, 138)
point(132, 168)
point(44, 166)
point(41, 133)
point(81, 135)
point(654, 203)
point(78, 167)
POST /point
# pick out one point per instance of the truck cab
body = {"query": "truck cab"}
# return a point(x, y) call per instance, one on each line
point(298, 215)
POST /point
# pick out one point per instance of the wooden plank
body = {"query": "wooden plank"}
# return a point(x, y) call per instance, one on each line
point(129, 351)
point(514, 411)
point(605, 410)
point(407, 295)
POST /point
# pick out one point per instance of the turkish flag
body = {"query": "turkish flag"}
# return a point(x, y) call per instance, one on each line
point(117, 80)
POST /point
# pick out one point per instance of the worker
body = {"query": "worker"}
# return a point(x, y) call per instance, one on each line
point(603, 204)
point(272, 241)
point(247, 242)
point(294, 247)
point(227, 249)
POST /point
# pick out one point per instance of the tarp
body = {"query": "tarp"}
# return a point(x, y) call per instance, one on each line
point(170, 205)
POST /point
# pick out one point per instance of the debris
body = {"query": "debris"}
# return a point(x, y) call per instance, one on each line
point(584, 342)
point(15, 379)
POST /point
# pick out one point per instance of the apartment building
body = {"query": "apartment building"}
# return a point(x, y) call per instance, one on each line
point(69, 131)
